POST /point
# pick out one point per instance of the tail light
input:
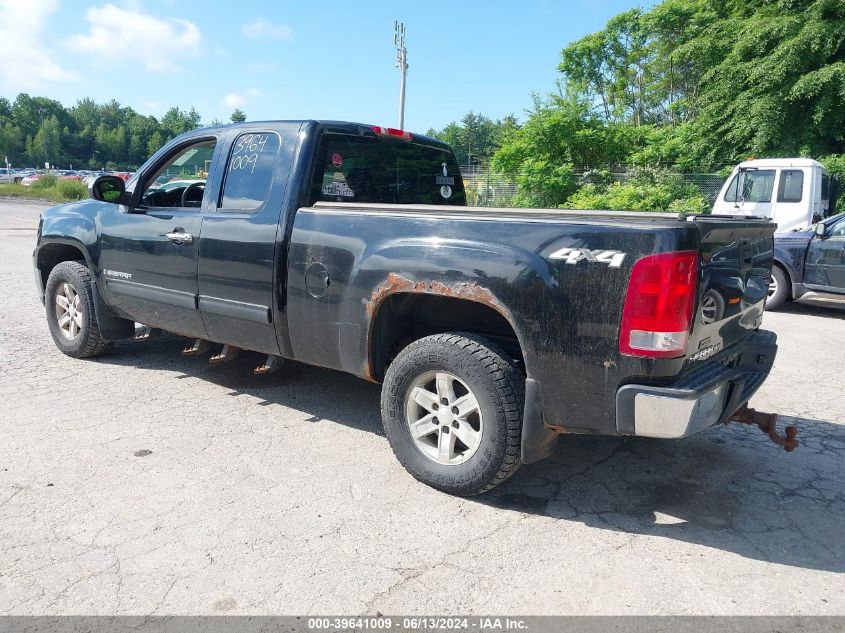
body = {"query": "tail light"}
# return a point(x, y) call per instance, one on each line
point(658, 306)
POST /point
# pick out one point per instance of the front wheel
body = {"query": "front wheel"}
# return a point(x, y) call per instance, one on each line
point(778, 289)
point(69, 300)
point(452, 412)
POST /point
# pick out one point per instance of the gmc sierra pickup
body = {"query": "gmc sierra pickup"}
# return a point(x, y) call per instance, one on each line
point(349, 246)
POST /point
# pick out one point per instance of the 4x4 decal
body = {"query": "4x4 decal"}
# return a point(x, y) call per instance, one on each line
point(613, 259)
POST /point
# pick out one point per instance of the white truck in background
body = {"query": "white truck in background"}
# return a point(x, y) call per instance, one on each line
point(793, 192)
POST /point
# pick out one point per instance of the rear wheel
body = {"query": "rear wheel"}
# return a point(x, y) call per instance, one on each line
point(778, 289)
point(69, 302)
point(452, 412)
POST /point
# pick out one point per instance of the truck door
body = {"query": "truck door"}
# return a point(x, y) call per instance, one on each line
point(148, 254)
point(796, 198)
point(241, 246)
point(750, 192)
point(825, 266)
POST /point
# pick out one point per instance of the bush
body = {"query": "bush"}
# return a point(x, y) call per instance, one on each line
point(646, 190)
point(542, 184)
point(47, 181)
point(63, 191)
point(71, 189)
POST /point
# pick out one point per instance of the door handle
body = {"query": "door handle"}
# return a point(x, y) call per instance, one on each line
point(179, 237)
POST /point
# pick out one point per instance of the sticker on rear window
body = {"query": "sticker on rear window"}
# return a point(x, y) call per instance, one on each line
point(445, 179)
point(446, 192)
point(337, 189)
point(337, 160)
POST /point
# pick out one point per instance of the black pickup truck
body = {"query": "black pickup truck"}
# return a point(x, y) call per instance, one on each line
point(349, 246)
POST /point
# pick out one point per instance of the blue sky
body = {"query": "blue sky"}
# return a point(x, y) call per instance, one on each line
point(294, 59)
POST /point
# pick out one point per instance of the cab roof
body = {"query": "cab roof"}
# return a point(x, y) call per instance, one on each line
point(337, 127)
point(780, 162)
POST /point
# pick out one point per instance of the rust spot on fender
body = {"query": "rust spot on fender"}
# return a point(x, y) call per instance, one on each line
point(462, 290)
point(396, 283)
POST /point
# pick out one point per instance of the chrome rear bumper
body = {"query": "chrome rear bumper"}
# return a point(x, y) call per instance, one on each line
point(708, 394)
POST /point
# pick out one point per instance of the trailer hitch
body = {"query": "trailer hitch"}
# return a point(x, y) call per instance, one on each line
point(767, 422)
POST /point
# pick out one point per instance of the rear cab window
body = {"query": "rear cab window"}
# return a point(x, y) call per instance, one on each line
point(385, 170)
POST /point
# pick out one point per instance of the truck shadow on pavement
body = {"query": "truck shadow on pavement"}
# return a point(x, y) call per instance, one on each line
point(727, 488)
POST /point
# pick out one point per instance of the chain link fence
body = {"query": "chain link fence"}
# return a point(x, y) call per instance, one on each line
point(486, 188)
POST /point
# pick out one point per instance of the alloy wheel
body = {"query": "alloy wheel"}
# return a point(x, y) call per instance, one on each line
point(444, 418)
point(68, 311)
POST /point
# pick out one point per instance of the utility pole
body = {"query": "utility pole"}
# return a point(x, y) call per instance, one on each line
point(402, 65)
point(44, 137)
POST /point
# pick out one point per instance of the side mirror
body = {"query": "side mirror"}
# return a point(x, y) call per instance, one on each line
point(820, 229)
point(109, 189)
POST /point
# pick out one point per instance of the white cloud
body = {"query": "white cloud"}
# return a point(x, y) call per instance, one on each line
point(25, 63)
point(239, 100)
point(234, 100)
point(262, 28)
point(118, 35)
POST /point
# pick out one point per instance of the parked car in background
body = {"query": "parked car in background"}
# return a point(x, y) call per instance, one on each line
point(793, 192)
point(7, 176)
point(28, 180)
point(808, 260)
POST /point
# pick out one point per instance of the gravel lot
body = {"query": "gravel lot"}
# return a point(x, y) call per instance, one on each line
point(145, 482)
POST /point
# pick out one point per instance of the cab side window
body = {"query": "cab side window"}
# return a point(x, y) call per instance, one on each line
point(249, 171)
point(791, 186)
point(838, 229)
point(180, 180)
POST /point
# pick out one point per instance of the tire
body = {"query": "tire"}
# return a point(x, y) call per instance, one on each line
point(464, 454)
point(79, 336)
point(778, 289)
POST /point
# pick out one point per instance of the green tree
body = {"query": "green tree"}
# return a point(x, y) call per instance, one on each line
point(155, 143)
point(12, 144)
point(45, 146)
point(176, 121)
point(237, 116)
point(779, 87)
point(476, 138)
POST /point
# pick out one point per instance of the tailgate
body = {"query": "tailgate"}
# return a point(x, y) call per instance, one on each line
point(736, 260)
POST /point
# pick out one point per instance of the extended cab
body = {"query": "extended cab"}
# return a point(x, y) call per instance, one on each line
point(350, 247)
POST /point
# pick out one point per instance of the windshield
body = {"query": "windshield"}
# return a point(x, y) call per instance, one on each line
point(751, 185)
